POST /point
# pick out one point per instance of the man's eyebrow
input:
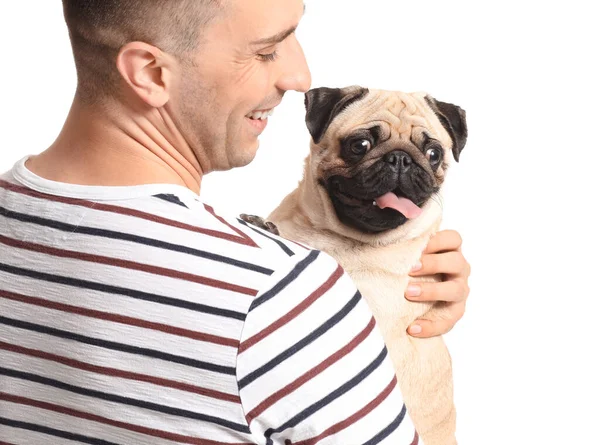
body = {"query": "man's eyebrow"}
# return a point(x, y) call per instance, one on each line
point(279, 37)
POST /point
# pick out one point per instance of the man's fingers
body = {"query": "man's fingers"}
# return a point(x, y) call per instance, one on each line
point(423, 328)
point(449, 263)
point(451, 291)
point(444, 241)
point(428, 328)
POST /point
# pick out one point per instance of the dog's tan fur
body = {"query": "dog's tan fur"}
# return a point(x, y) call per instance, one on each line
point(379, 264)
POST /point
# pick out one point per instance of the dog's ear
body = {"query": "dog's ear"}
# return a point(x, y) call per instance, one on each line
point(454, 120)
point(324, 104)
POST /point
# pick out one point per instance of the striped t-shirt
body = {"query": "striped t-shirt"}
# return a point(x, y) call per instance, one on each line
point(139, 316)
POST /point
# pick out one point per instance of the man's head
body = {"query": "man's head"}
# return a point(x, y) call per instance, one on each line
point(100, 28)
point(207, 67)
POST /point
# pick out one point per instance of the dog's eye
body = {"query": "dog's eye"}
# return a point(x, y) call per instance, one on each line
point(360, 147)
point(434, 155)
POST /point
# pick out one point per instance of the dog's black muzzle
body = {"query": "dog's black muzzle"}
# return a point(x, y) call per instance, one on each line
point(353, 197)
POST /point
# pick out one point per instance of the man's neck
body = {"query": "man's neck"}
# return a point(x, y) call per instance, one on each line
point(110, 146)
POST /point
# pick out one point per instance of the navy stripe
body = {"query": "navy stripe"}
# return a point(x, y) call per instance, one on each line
point(111, 234)
point(389, 429)
point(303, 415)
point(159, 299)
point(228, 370)
point(302, 343)
point(171, 198)
point(298, 269)
point(125, 400)
point(53, 432)
point(280, 243)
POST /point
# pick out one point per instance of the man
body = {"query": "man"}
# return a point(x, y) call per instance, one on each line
point(132, 313)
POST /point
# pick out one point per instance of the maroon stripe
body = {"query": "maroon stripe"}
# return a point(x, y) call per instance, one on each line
point(194, 335)
point(353, 418)
point(242, 239)
point(416, 439)
point(298, 244)
point(288, 389)
point(5, 443)
point(126, 426)
point(294, 312)
point(112, 372)
point(125, 264)
point(210, 210)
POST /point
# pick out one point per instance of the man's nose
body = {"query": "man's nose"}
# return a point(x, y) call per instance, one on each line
point(295, 72)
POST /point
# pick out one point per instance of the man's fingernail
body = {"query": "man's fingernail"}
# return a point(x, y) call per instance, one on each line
point(417, 267)
point(413, 291)
point(415, 329)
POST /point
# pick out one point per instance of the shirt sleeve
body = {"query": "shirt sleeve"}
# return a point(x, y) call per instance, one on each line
point(312, 366)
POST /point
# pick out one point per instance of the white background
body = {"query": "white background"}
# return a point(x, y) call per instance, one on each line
point(524, 196)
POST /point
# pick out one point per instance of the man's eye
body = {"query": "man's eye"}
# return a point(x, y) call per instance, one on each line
point(268, 57)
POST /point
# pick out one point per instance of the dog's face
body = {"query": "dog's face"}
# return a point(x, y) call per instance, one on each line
point(381, 156)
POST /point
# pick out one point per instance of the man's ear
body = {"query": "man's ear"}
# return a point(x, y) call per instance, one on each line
point(454, 120)
point(324, 104)
point(145, 69)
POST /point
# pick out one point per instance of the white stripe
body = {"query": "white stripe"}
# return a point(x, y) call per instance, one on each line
point(125, 306)
point(327, 382)
point(99, 430)
point(118, 387)
point(108, 275)
point(379, 419)
point(309, 280)
point(119, 412)
point(122, 334)
point(20, 436)
point(141, 253)
point(123, 361)
point(310, 356)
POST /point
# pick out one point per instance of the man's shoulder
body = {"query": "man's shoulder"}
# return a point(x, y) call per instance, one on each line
point(192, 226)
point(210, 226)
point(164, 225)
point(264, 261)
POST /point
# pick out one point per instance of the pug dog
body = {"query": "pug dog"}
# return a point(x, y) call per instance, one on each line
point(371, 198)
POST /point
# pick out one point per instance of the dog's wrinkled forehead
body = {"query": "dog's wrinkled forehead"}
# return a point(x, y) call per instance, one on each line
point(398, 117)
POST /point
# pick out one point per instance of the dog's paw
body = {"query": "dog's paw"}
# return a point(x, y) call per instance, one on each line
point(260, 222)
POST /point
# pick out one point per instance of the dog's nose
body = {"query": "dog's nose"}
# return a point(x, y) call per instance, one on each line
point(400, 160)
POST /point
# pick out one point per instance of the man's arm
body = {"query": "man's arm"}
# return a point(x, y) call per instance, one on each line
point(312, 364)
point(443, 256)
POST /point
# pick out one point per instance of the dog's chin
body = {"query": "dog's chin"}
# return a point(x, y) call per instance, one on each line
point(364, 215)
point(368, 218)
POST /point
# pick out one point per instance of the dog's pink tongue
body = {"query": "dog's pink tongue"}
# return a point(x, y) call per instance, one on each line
point(403, 205)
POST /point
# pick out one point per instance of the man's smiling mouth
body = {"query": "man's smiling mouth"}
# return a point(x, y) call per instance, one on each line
point(260, 114)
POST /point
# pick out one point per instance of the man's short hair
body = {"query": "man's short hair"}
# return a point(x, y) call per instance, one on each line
point(99, 28)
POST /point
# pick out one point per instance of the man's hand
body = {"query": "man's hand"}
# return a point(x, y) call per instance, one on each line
point(442, 256)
